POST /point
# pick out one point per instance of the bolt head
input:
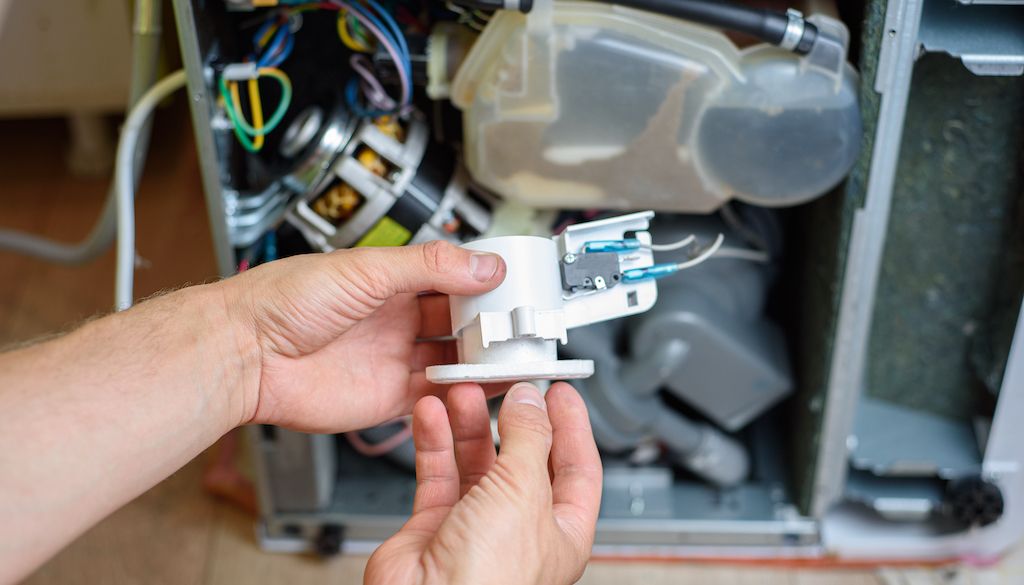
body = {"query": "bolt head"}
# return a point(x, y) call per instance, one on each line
point(569, 258)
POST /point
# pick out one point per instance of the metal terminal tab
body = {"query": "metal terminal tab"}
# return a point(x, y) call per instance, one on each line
point(595, 271)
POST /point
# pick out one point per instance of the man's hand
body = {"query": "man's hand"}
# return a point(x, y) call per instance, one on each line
point(523, 517)
point(331, 337)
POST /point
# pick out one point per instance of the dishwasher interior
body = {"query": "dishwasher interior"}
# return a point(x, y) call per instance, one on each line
point(842, 377)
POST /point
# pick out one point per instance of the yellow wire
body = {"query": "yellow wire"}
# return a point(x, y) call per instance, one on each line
point(256, 105)
point(275, 73)
point(304, 8)
point(267, 36)
point(292, 12)
point(346, 38)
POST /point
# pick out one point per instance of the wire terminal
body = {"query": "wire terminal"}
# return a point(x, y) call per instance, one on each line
point(240, 72)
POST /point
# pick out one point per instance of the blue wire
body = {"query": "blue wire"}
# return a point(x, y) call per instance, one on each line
point(391, 31)
point(394, 28)
point(270, 247)
point(387, 32)
point(262, 30)
point(352, 97)
point(276, 44)
point(398, 42)
point(286, 51)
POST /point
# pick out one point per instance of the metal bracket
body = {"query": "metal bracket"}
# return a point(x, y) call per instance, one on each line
point(989, 40)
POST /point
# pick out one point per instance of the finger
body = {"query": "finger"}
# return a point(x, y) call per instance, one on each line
point(432, 353)
point(435, 316)
point(575, 465)
point(441, 266)
point(471, 430)
point(525, 430)
point(437, 475)
point(496, 389)
point(419, 387)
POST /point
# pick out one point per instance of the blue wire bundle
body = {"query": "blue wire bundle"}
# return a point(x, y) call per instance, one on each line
point(390, 36)
point(278, 49)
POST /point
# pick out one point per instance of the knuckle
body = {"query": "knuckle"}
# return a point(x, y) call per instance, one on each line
point(364, 277)
point(438, 256)
point(537, 425)
point(508, 478)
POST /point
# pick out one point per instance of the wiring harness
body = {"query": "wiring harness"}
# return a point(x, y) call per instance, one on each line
point(362, 26)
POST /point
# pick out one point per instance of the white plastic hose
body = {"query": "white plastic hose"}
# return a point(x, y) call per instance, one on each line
point(145, 53)
point(124, 183)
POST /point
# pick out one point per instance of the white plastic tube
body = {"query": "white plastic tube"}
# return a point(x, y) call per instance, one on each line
point(145, 53)
point(124, 183)
point(532, 285)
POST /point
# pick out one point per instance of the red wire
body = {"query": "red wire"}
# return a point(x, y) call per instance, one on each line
point(383, 447)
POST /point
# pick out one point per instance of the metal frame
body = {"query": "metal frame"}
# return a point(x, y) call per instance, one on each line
point(946, 26)
point(199, 102)
point(864, 259)
point(852, 531)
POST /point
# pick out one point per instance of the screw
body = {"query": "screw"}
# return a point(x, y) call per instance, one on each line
point(569, 258)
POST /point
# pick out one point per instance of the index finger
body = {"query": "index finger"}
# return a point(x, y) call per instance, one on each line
point(575, 466)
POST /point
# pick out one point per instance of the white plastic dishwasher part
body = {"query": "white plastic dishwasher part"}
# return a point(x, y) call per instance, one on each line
point(589, 105)
point(512, 333)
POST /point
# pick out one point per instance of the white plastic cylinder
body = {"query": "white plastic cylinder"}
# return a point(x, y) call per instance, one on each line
point(513, 351)
point(532, 283)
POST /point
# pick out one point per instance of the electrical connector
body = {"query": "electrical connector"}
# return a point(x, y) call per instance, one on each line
point(649, 273)
point(626, 245)
point(240, 72)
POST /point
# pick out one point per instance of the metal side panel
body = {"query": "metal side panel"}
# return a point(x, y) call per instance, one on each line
point(867, 242)
point(951, 28)
point(296, 472)
point(200, 102)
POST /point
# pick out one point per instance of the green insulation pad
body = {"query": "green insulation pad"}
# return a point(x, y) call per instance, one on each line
point(949, 290)
point(824, 241)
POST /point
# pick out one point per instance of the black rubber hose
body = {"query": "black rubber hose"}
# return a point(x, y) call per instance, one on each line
point(766, 25)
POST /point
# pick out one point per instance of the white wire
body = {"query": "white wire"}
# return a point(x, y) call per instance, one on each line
point(744, 254)
point(124, 183)
point(703, 255)
point(146, 45)
point(735, 222)
point(673, 246)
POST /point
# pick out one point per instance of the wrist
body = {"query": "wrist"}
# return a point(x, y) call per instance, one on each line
point(228, 349)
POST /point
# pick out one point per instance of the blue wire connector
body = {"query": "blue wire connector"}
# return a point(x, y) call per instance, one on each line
point(627, 245)
point(649, 273)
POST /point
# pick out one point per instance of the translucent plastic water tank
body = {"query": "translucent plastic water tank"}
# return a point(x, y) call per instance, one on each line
point(582, 105)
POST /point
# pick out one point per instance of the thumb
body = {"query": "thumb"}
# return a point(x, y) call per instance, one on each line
point(525, 430)
point(434, 266)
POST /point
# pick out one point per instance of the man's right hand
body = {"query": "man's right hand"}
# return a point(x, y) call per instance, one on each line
point(525, 516)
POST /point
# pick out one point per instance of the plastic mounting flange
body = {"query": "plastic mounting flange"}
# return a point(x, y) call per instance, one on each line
point(490, 373)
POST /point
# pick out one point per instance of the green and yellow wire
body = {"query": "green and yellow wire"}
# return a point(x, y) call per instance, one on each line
point(355, 39)
point(251, 136)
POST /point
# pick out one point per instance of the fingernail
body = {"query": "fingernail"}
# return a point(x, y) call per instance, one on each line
point(483, 266)
point(524, 393)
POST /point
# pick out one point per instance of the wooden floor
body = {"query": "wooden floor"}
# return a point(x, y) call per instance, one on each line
point(176, 533)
